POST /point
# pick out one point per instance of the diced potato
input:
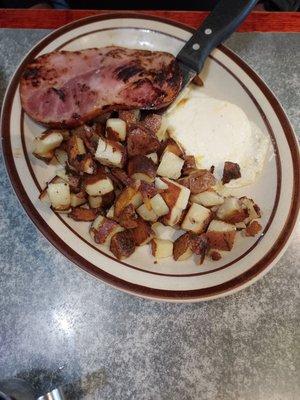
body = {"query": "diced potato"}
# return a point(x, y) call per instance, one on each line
point(176, 198)
point(159, 184)
point(221, 235)
point(61, 156)
point(153, 157)
point(162, 131)
point(110, 153)
point(77, 199)
point(46, 157)
point(129, 195)
point(170, 165)
point(95, 201)
point(231, 210)
point(110, 213)
point(118, 127)
point(83, 214)
point(142, 168)
point(102, 229)
point(162, 231)
point(159, 206)
point(130, 116)
point(146, 214)
point(98, 185)
point(142, 234)
point(122, 244)
point(137, 200)
point(182, 248)
point(50, 140)
point(59, 195)
point(161, 248)
point(252, 209)
point(173, 217)
point(209, 198)
point(196, 219)
point(240, 225)
point(253, 229)
point(172, 146)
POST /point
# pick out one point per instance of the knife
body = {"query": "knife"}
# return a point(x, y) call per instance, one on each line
point(218, 26)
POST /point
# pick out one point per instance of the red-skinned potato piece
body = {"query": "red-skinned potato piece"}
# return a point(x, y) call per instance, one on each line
point(98, 184)
point(200, 245)
point(189, 165)
point(122, 244)
point(231, 171)
point(128, 217)
point(142, 233)
point(253, 229)
point(171, 146)
point(83, 214)
point(130, 116)
point(103, 228)
point(120, 177)
point(110, 153)
point(182, 247)
point(141, 167)
point(141, 141)
point(198, 181)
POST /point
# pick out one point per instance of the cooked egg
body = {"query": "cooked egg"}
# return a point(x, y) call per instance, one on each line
point(215, 131)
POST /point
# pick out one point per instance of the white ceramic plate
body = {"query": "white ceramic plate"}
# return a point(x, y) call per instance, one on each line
point(226, 77)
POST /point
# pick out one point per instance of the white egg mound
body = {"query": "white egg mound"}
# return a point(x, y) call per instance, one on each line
point(215, 131)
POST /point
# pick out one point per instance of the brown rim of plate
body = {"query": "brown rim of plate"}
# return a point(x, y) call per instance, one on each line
point(270, 132)
point(144, 291)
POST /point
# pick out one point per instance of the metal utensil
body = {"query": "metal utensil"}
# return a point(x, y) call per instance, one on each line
point(218, 26)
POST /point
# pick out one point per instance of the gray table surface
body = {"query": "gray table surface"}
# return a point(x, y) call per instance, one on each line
point(58, 325)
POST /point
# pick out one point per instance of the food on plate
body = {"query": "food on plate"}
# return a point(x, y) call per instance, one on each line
point(122, 244)
point(140, 177)
point(161, 248)
point(182, 247)
point(215, 131)
point(221, 235)
point(68, 88)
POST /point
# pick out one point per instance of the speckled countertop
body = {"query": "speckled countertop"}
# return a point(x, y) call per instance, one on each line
point(58, 325)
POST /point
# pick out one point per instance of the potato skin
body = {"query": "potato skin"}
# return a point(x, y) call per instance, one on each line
point(141, 232)
point(141, 141)
point(221, 240)
point(122, 244)
point(181, 245)
point(141, 164)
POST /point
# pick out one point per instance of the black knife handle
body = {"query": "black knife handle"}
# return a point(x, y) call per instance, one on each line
point(221, 22)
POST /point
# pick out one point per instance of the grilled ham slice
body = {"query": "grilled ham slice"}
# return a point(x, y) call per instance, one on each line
point(67, 88)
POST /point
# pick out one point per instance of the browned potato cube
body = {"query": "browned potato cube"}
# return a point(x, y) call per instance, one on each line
point(182, 248)
point(98, 184)
point(141, 141)
point(161, 248)
point(111, 153)
point(196, 219)
point(128, 217)
point(142, 233)
point(83, 214)
point(221, 235)
point(142, 168)
point(231, 211)
point(102, 229)
point(122, 244)
point(198, 181)
point(116, 129)
point(231, 171)
point(130, 116)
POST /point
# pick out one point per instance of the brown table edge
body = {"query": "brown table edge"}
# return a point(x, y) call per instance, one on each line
point(257, 21)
